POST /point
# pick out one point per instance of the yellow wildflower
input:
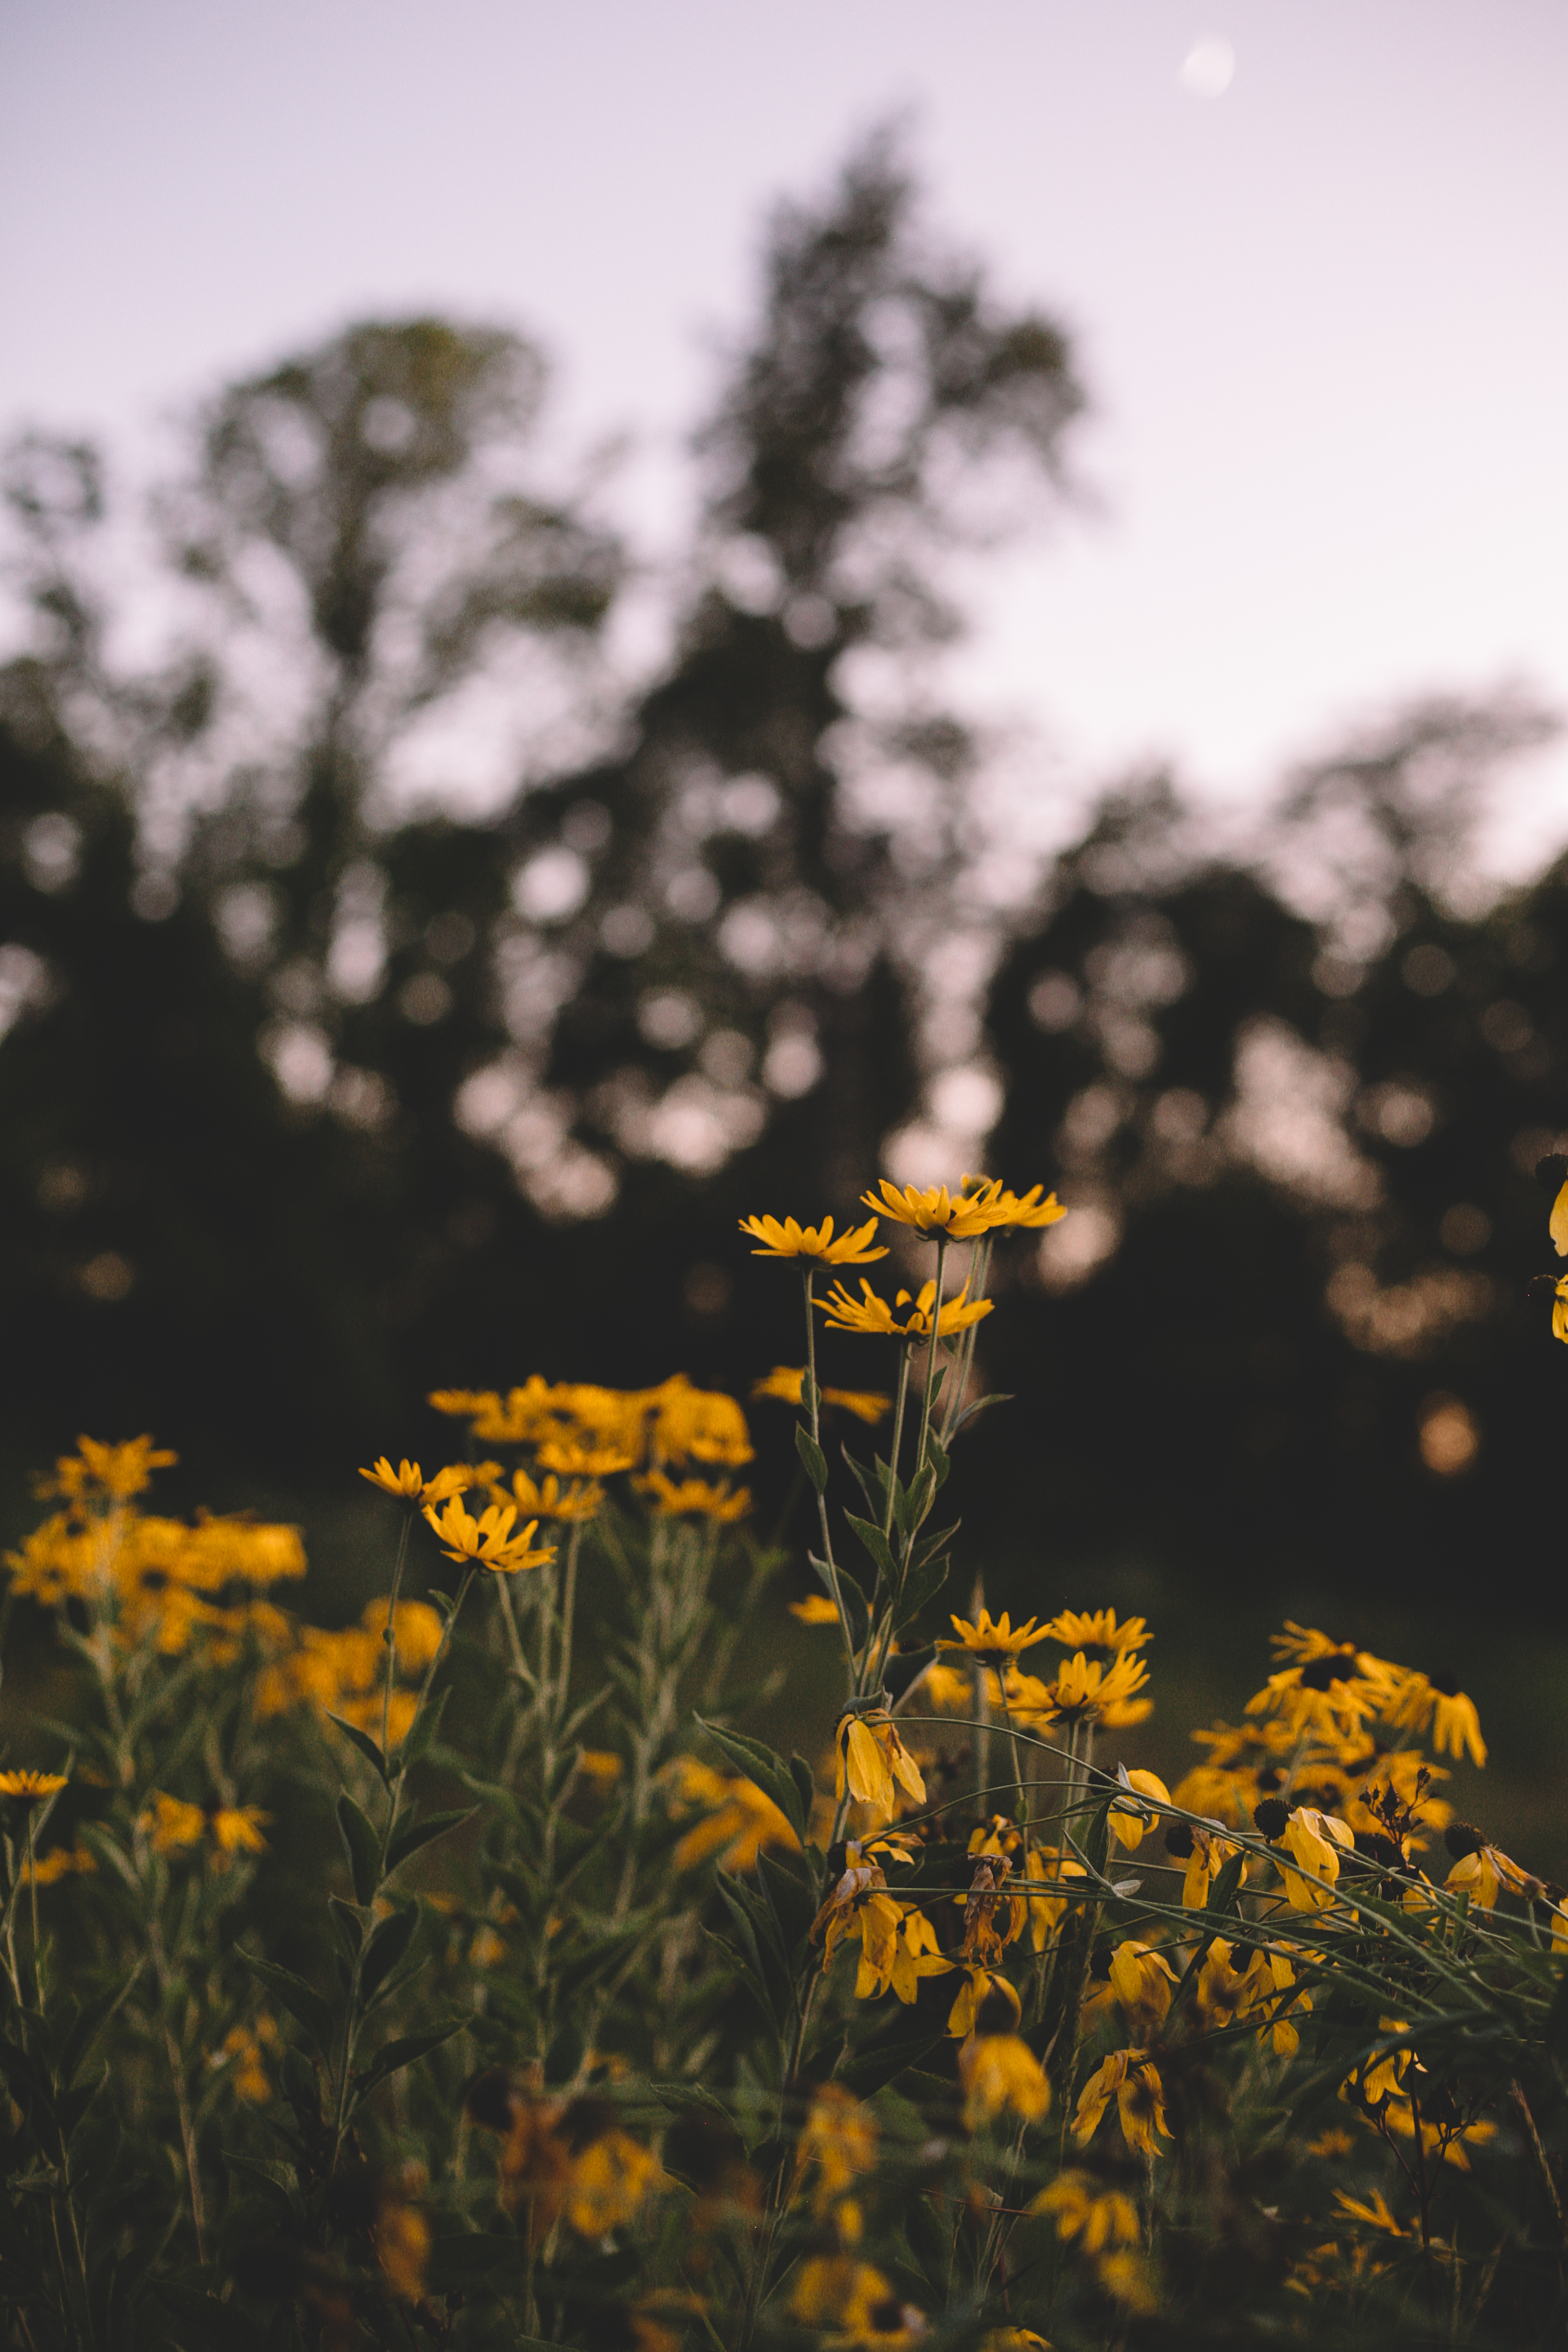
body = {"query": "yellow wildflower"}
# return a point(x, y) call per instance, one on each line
point(960, 1216)
point(611, 2180)
point(871, 1756)
point(840, 2138)
point(1315, 1840)
point(1483, 1871)
point(1130, 1822)
point(1438, 1700)
point(1000, 2072)
point(31, 1788)
point(1141, 1979)
point(786, 1382)
point(993, 1644)
point(489, 1541)
point(1099, 2216)
point(792, 1240)
point(1098, 1629)
point(1009, 1211)
point(698, 1425)
point(1048, 1866)
point(1132, 2079)
point(1085, 1690)
point(696, 1497)
point(814, 1609)
point(874, 1318)
point(549, 1499)
point(740, 1819)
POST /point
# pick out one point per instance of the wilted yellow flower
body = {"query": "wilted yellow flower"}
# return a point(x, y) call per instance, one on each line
point(1315, 1839)
point(875, 1319)
point(793, 1240)
point(871, 1756)
point(1483, 1871)
point(1141, 1979)
point(1132, 1820)
point(854, 2299)
point(1132, 2079)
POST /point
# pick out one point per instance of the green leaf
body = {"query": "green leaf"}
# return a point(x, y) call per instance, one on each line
point(980, 1405)
point(347, 1922)
point(762, 1765)
point(811, 1456)
point(804, 1780)
point(887, 2058)
point(279, 2178)
point(301, 2000)
point(856, 1606)
point(104, 1849)
point(363, 1742)
point(386, 1948)
point(874, 1542)
point(937, 1454)
point(89, 2022)
point(363, 1847)
point(421, 1832)
point(393, 2056)
point(922, 1584)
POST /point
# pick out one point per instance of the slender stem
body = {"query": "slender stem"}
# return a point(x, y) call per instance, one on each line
point(33, 1893)
point(980, 1266)
point(814, 1408)
point(903, 1390)
point(389, 1636)
point(568, 1610)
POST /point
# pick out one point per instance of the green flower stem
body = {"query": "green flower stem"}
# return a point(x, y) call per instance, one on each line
point(809, 1274)
point(980, 1266)
point(894, 1450)
point(389, 1636)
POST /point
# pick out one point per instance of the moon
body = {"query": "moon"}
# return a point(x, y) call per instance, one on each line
point(1208, 68)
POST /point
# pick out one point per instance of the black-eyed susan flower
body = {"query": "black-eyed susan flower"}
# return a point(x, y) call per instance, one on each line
point(1098, 1629)
point(547, 1498)
point(488, 1542)
point(856, 2300)
point(1047, 1867)
point(993, 1644)
point(31, 1788)
point(1009, 1211)
point(696, 1425)
point(696, 1498)
point(1482, 1871)
point(1132, 2078)
point(1085, 1690)
point(1000, 2075)
point(986, 2003)
point(793, 1240)
point(874, 1318)
point(739, 1819)
point(1206, 1852)
point(934, 1210)
point(1436, 1700)
point(871, 1756)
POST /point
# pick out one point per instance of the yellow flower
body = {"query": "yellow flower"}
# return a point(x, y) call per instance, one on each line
point(854, 2299)
point(793, 1240)
point(786, 1382)
point(1315, 1840)
point(575, 1458)
point(244, 2049)
point(237, 1829)
point(840, 2138)
point(1007, 1210)
point(1044, 1866)
point(602, 1766)
point(610, 2181)
point(1483, 1871)
point(1438, 1700)
point(407, 1482)
point(741, 1820)
point(960, 1216)
point(992, 1645)
point(31, 1788)
point(1130, 1821)
point(1141, 1979)
point(1087, 1691)
point(64, 1863)
point(1557, 1220)
point(871, 1756)
point(1559, 1306)
point(487, 1540)
point(173, 1823)
point(550, 1500)
point(1096, 1629)
point(1132, 2079)
point(120, 1471)
point(1083, 2208)
point(985, 1995)
point(696, 1497)
point(814, 1609)
point(698, 1424)
point(875, 1319)
point(401, 2236)
point(998, 2072)
point(948, 1688)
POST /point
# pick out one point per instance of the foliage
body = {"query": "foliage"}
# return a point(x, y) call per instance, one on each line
point(473, 1976)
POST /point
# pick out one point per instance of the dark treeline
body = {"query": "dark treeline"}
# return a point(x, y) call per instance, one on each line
point(305, 1108)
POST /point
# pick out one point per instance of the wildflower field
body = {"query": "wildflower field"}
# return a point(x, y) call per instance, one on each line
point(473, 1975)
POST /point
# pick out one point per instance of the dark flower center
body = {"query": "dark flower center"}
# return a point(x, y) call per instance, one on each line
point(1446, 1686)
point(1462, 1838)
point(1321, 1674)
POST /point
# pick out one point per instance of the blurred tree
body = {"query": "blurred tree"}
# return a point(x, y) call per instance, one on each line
point(665, 985)
point(1301, 1154)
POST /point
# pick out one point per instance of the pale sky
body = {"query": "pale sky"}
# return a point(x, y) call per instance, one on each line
point(1311, 256)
